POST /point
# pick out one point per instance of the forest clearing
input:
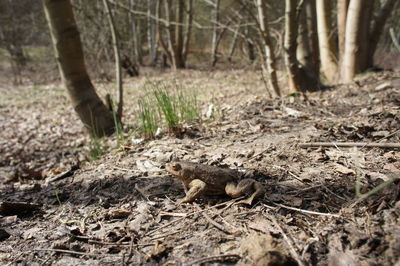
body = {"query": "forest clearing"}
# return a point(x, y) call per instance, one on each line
point(199, 158)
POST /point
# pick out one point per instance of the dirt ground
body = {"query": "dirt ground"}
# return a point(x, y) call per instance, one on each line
point(56, 208)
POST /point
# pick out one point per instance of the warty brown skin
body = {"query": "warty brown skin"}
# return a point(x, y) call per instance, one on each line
point(202, 179)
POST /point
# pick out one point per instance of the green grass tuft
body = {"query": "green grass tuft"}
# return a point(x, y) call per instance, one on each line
point(171, 105)
point(147, 119)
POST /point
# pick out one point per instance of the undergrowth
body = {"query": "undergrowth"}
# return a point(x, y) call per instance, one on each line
point(166, 106)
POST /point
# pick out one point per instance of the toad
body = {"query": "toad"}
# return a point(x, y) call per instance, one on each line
point(201, 179)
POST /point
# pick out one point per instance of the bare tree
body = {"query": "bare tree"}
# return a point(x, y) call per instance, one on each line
point(68, 49)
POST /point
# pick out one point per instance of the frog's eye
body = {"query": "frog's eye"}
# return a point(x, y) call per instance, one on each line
point(176, 167)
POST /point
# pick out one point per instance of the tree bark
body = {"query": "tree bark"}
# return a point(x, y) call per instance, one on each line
point(312, 33)
point(342, 7)
point(377, 28)
point(352, 49)
point(117, 59)
point(68, 50)
point(174, 45)
point(189, 26)
point(268, 55)
point(299, 79)
point(365, 34)
point(327, 52)
point(214, 42)
point(151, 32)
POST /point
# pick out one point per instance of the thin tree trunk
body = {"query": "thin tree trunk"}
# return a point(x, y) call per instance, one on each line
point(377, 28)
point(233, 43)
point(269, 57)
point(117, 59)
point(215, 20)
point(290, 45)
point(367, 15)
point(352, 50)
point(326, 48)
point(189, 26)
point(300, 79)
point(312, 30)
point(68, 49)
point(342, 7)
point(151, 39)
point(179, 39)
point(303, 45)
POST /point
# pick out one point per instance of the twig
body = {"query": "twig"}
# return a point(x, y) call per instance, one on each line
point(165, 235)
point(220, 258)
point(75, 252)
point(388, 145)
point(306, 211)
point(290, 173)
point(211, 221)
point(292, 250)
point(229, 203)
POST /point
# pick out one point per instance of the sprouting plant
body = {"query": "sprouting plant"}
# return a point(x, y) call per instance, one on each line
point(167, 106)
point(147, 118)
point(187, 105)
point(97, 148)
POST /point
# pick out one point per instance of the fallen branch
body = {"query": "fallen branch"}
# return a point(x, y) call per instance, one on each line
point(350, 144)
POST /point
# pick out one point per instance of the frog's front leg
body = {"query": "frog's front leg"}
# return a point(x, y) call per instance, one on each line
point(244, 187)
point(196, 188)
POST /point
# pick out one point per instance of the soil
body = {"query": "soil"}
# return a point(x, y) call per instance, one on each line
point(59, 208)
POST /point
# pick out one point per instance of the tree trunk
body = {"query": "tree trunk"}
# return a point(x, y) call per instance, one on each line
point(304, 55)
point(312, 33)
point(179, 34)
point(365, 34)
point(326, 48)
point(188, 34)
point(268, 55)
point(68, 49)
point(352, 49)
point(117, 60)
point(215, 21)
point(233, 43)
point(174, 45)
point(151, 32)
point(342, 7)
point(377, 28)
point(299, 79)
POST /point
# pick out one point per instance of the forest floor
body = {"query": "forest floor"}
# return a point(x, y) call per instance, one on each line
point(57, 208)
